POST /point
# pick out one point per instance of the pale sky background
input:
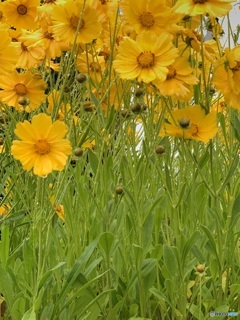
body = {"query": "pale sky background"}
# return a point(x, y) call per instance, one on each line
point(234, 17)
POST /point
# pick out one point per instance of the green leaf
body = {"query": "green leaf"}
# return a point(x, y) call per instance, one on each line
point(93, 159)
point(170, 261)
point(29, 315)
point(211, 244)
point(4, 246)
point(189, 244)
point(48, 274)
point(6, 287)
point(106, 241)
point(236, 207)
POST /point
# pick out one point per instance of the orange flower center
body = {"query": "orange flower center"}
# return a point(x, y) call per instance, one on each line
point(199, 1)
point(24, 48)
point(42, 147)
point(22, 9)
point(48, 35)
point(146, 19)
point(171, 72)
point(194, 129)
point(74, 20)
point(146, 59)
point(20, 89)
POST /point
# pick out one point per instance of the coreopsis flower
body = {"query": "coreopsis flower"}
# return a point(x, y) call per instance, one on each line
point(8, 52)
point(31, 51)
point(21, 13)
point(191, 123)
point(226, 76)
point(75, 19)
point(148, 15)
point(146, 58)
point(215, 8)
point(42, 146)
point(179, 78)
point(22, 85)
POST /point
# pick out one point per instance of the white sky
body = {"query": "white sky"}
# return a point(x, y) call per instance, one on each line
point(234, 17)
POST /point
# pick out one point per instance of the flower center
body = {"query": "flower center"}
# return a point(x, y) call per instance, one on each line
point(74, 22)
point(199, 1)
point(146, 19)
point(20, 89)
point(22, 9)
point(42, 147)
point(48, 35)
point(49, 1)
point(194, 129)
point(171, 72)
point(24, 48)
point(145, 59)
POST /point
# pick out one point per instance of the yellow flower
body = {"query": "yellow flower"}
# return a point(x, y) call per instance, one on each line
point(191, 123)
point(146, 58)
point(8, 51)
point(31, 52)
point(226, 76)
point(18, 85)
point(42, 146)
point(145, 15)
point(215, 8)
point(72, 17)
point(178, 80)
point(59, 208)
point(21, 13)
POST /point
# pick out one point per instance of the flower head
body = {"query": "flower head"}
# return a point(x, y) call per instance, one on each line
point(17, 85)
point(42, 146)
point(146, 58)
point(191, 123)
point(73, 17)
point(21, 13)
point(216, 8)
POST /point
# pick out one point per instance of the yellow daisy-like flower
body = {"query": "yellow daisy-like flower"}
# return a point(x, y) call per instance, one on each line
point(42, 146)
point(21, 13)
point(8, 51)
point(226, 76)
point(191, 123)
point(145, 15)
point(22, 85)
point(215, 8)
point(146, 58)
point(178, 80)
point(73, 17)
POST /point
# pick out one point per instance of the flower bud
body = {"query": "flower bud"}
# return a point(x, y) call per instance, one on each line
point(80, 77)
point(200, 268)
point(184, 122)
point(160, 150)
point(23, 101)
point(78, 152)
point(119, 190)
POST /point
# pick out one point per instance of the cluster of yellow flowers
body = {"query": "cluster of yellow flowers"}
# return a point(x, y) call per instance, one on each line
point(117, 45)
